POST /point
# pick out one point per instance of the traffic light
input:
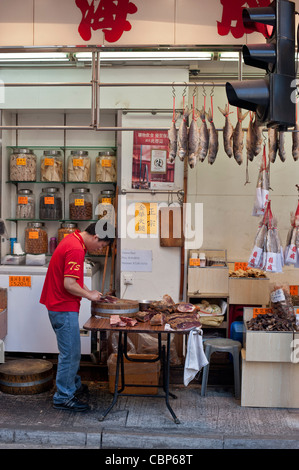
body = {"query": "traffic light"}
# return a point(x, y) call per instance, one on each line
point(269, 97)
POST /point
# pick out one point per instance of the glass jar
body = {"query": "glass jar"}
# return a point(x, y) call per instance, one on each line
point(25, 204)
point(52, 245)
point(80, 204)
point(106, 203)
point(36, 238)
point(50, 204)
point(106, 167)
point(78, 167)
point(51, 168)
point(65, 229)
point(22, 165)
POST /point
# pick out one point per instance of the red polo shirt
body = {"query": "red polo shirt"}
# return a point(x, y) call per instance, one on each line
point(67, 261)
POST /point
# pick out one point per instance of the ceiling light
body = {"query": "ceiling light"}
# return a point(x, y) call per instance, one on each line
point(34, 57)
point(229, 56)
point(146, 56)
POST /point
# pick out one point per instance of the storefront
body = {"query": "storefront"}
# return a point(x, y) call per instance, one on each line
point(92, 121)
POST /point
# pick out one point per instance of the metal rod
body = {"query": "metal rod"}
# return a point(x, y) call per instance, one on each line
point(115, 84)
point(152, 191)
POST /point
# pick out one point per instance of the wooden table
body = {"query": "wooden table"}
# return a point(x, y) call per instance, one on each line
point(103, 324)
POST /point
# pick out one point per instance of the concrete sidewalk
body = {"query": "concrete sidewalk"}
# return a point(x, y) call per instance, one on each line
point(216, 421)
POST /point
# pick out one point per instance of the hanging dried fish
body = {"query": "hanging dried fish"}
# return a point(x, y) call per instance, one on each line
point(258, 137)
point(250, 140)
point(281, 142)
point(203, 136)
point(295, 142)
point(238, 136)
point(193, 142)
point(272, 143)
point(213, 139)
point(262, 188)
point(292, 242)
point(173, 139)
point(182, 147)
point(227, 133)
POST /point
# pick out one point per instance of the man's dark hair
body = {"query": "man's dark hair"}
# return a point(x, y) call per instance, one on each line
point(104, 230)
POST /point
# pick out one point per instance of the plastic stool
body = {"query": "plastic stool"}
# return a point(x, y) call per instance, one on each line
point(222, 345)
point(1, 351)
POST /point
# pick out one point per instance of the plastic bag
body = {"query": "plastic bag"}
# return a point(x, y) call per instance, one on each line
point(148, 344)
point(114, 344)
point(281, 301)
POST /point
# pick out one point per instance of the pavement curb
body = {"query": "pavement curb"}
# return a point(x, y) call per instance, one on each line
point(139, 439)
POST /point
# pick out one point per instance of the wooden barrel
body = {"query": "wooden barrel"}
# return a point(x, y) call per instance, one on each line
point(26, 376)
point(125, 307)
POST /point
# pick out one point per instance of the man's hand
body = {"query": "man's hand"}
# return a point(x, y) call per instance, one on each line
point(72, 286)
point(94, 295)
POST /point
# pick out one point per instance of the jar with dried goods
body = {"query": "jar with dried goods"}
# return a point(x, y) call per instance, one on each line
point(22, 165)
point(80, 204)
point(65, 229)
point(51, 166)
point(78, 166)
point(25, 204)
point(106, 167)
point(106, 204)
point(50, 204)
point(36, 238)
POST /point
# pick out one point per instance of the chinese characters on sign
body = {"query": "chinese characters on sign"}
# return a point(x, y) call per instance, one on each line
point(19, 281)
point(231, 21)
point(151, 168)
point(109, 16)
point(146, 218)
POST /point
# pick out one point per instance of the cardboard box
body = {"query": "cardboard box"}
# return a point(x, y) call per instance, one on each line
point(267, 346)
point(141, 373)
point(269, 384)
point(248, 291)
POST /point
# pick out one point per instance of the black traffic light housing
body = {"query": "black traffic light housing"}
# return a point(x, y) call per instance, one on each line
point(270, 97)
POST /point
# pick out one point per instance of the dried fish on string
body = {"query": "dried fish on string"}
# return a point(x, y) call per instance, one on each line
point(238, 136)
point(295, 142)
point(203, 136)
point(227, 132)
point(182, 145)
point(173, 139)
point(193, 141)
point(272, 143)
point(262, 188)
point(213, 139)
point(250, 140)
point(281, 142)
point(258, 137)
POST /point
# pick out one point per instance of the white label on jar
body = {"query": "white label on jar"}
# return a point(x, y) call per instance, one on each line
point(277, 296)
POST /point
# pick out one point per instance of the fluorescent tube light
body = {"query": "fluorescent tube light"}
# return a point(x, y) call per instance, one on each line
point(229, 56)
point(34, 57)
point(146, 56)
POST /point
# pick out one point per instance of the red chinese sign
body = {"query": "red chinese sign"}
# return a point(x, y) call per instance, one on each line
point(109, 16)
point(231, 21)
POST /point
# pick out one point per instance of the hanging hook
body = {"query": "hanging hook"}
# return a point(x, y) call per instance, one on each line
point(204, 90)
point(212, 90)
point(184, 90)
point(173, 90)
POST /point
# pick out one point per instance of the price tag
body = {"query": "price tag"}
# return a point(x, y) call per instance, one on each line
point(19, 281)
point(194, 262)
point(106, 163)
point(79, 202)
point(21, 161)
point(106, 200)
point(261, 311)
point(78, 162)
point(294, 290)
point(22, 200)
point(49, 161)
point(243, 266)
point(33, 235)
point(49, 200)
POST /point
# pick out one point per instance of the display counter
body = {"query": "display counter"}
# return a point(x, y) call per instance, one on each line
point(28, 325)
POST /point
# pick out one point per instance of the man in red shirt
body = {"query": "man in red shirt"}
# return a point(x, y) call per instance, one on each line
point(62, 293)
